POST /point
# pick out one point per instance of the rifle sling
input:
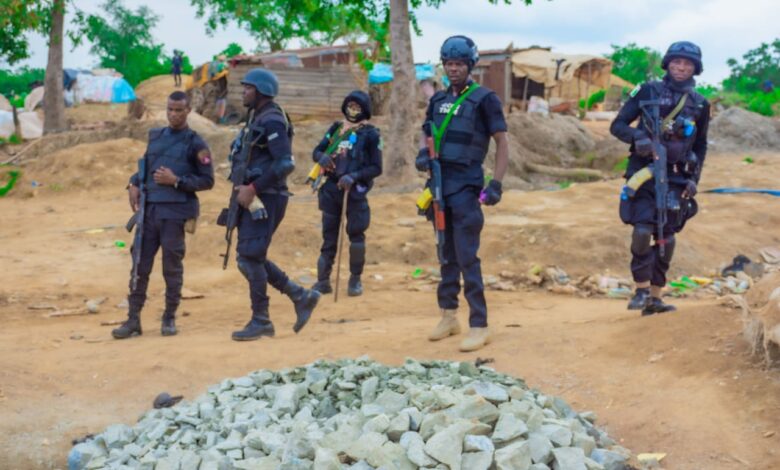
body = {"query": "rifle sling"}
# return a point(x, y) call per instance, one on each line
point(673, 115)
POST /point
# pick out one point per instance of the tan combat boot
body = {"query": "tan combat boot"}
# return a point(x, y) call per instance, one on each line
point(448, 326)
point(476, 339)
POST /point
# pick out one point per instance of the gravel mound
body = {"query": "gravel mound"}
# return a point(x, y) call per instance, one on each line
point(359, 414)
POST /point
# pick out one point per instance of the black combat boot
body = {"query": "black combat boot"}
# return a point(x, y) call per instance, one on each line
point(131, 327)
point(354, 287)
point(168, 327)
point(304, 301)
point(640, 299)
point(323, 287)
point(324, 268)
point(656, 305)
point(260, 325)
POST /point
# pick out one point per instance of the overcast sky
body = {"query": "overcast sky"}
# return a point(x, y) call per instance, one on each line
point(723, 28)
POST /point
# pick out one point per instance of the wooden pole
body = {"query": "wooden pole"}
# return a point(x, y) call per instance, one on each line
point(587, 89)
point(342, 230)
point(525, 94)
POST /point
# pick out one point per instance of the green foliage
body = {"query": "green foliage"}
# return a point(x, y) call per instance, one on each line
point(315, 22)
point(232, 49)
point(621, 166)
point(745, 85)
point(597, 97)
point(636, 64)
point(708, 91)
point(122, 39)
point(759, 64)
point(18, 82)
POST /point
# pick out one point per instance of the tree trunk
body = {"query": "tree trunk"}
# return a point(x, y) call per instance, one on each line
point(401, 149)
point(53, 99)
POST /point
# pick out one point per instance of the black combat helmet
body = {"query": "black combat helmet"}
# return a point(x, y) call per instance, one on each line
point(460, 48)
point(264, 80)
point(686, 50)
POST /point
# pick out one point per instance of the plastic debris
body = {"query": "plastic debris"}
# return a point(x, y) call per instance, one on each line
point(119, 244)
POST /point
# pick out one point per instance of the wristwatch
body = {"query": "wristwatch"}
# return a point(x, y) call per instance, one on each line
point(176, 184)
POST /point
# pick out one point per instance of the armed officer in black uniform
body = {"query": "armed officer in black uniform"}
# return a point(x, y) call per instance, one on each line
point(685, 119)
point(270, 161)
point(463, 145)
point(178, 163)
point(350, 153)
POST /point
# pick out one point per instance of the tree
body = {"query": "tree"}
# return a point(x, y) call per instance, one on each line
point(232, 49)
point(636, 64)
point(53, 97)
point(122, 40)
point(19, 17)
point(760, 64)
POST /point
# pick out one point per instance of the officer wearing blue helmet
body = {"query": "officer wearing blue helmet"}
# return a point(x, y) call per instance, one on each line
point(685, 119)
point(350, 154)
point(270, 133)
point(463, 119)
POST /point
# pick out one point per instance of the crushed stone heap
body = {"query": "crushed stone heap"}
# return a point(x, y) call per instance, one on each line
point(360, 414)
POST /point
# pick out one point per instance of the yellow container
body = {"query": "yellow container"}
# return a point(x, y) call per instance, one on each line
point(425, 199)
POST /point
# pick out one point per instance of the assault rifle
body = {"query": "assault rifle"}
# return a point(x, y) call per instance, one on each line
point(137, 221)
point(652, 119)
point(439, 221)
point(240, 156)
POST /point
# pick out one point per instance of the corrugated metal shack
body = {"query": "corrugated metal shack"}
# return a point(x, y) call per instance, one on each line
point(312, 82)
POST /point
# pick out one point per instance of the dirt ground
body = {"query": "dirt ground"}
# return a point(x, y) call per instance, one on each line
point(682, 384)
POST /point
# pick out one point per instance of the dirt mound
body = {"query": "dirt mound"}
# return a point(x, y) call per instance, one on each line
point(87, 113)
point(737, 129)
point(154, 91)
point(84, 166)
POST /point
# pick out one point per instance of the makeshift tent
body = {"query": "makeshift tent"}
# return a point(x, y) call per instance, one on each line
point(104, 89)
point(568, 76)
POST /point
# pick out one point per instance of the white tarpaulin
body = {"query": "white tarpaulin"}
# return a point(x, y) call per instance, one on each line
point(31, 124)
point(541, 65)
point(4, 104)
point(33, 99)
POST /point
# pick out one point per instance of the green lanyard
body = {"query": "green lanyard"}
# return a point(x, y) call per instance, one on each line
point(438, 133)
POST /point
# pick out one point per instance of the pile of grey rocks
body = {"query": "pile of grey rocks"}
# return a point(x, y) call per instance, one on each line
point(360, 415)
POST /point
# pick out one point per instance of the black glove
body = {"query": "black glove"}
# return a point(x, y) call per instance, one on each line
point(690, 189)
point(346, 182)
point(491, 195)
point(423, 160)
point(324, 160)
point(643, 147)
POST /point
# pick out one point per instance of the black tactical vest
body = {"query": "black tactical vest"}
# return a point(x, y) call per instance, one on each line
point(171, 150)
point(464, 142)
point(260, 160)
point(356, 149)
point(678, 146)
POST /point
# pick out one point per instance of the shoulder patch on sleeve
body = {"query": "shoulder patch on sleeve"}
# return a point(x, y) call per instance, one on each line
point(635, 90)
point(204, 156)
point(381, 144)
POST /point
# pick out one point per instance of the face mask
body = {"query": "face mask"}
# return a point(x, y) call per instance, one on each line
point(354, 113)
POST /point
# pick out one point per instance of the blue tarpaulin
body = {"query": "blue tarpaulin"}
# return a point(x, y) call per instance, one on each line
point(122, 92)
point(383, 73)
